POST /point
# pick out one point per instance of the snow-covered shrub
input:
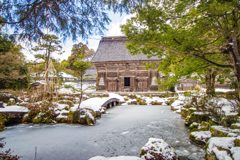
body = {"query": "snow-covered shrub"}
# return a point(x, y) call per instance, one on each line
point(157, 149)
point(83, 116)
point(40, 112)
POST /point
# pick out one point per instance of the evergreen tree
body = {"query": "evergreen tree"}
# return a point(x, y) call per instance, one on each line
point(78, 63)
point(68, 18)
point(13, 71)
point(48, 45)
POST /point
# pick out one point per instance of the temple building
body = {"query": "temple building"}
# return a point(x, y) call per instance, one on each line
point(120, 71)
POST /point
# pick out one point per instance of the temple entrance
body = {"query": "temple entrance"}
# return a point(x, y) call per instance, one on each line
point(126, 82)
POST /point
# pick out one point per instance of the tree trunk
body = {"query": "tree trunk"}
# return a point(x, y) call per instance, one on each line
point(235, 51)
point(210, 82)
point(235, 55)
point(81, 91)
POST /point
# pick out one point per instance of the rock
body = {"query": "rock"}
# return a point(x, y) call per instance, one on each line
point(235, 126)
point(235, 151)
point(194, 126)
point(157, 149)
point(227, 121)
point(63, 116)
point(83, 116)
point(11, 102)
point(200, 137)
point(185, 112)
point(177, 105)
point(140, 101)
point(156, 103)
point(237, 142)
point(220, 131)
point(98, 114)
point(4, 97)
point(218, 148)
point(197, 117)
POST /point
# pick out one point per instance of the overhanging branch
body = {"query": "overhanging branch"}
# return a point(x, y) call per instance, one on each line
point(211, 62)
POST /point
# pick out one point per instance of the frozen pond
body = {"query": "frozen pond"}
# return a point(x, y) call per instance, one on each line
point(121, 132)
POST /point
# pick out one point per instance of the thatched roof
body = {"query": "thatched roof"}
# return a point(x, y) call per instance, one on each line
point(114, 49)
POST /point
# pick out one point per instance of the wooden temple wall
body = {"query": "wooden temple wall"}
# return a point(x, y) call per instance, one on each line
point(111, 76)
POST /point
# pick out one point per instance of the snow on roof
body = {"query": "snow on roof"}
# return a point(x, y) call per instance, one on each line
point(66, 75)
point(14, 109)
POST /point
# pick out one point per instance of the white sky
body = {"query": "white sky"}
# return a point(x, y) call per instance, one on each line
point(113, 30)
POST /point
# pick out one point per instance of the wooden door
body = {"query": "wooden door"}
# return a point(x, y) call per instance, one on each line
point(142, 86)
point(112, 86)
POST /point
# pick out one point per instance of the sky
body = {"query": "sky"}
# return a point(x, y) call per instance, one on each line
point(113, 29)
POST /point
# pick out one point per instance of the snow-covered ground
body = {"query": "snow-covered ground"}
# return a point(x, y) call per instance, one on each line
point(74, 87)
point(13, 108)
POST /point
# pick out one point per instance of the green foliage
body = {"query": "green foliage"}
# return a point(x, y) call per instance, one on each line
point(77, 63)
point(13, 71)
point(48, 45)
point(40, 112)
point(188, 36)
point(5, 45)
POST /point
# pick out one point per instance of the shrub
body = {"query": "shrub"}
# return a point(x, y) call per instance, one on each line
point(40, 112)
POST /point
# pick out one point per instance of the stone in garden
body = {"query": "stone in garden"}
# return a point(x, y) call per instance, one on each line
point(200, 137)
point(157, 149)
point(197, 117)
point(235, 126)
point(220, 131)
point(219, 148)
